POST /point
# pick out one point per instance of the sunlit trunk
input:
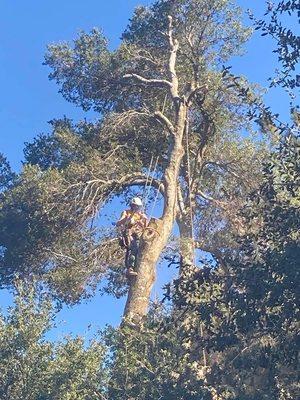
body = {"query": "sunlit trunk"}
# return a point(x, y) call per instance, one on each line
point(156, 236)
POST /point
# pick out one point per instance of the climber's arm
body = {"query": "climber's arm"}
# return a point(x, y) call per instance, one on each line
point(145, 221)
point(122, 219)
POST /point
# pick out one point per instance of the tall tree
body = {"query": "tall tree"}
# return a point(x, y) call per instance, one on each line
point(163, 93)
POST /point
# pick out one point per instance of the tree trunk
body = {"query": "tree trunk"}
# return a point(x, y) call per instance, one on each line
point(151, 246)
point(157, 234)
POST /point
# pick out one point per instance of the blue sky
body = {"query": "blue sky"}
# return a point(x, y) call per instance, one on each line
point(28, 99)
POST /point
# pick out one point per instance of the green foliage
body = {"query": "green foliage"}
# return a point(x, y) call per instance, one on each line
point(7, 176)
point(44, 215)
point(33, 368)
point(287, 41)
point(152, 363)
point(92, 76)
point(228, 335)
point(195, 20)
point(53, 150)
point(229, 330)
point(90, 63)
point(253, 321)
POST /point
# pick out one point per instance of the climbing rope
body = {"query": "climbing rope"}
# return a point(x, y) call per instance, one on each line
point(147, 179)
point(154, 203)
point(148, 185)
point(157, 191)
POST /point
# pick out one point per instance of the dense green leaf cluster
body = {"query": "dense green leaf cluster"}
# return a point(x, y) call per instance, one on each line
point(229, 335)
point(287, 40)
point(34, 368)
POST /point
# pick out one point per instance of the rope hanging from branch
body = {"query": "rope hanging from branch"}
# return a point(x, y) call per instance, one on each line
point(148, 184)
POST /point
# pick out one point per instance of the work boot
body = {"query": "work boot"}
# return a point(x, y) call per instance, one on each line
point(121, 243)
point(131, 261)
point(131, 272)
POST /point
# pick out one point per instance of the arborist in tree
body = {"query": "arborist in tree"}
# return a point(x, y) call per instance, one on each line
point(132, 224)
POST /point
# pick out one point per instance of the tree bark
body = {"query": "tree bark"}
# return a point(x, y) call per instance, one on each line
point(157, 234)
point(152, 244)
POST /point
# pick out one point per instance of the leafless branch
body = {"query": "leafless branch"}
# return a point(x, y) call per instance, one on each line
point(155, 183)
point(142, 54)
point(165, 121)
point(113, 151)
point(207, 197)
point(174, 45)
point(160, 83)
point(145, 367)
point(89, 195)
point(60, 255)
point(227, 167)
point(117, 121)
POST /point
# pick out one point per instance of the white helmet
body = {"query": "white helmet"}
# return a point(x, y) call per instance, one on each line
point(137, 202)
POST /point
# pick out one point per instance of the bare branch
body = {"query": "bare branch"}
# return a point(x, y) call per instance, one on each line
point(155, 183)
point(90, 195)
point(172, 85)
point(113, 151)
point(60, 255)
point(142, 54)
point(117, 121)
point(160, 83)
point(174, 45)
point(142, 365)
point(206, 196)
point(165, 121)
point(227, 167)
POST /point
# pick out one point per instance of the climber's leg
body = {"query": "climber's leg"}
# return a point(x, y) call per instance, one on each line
point(127, 241)
point(127, 259)
point(132, 256)
point(135, 249)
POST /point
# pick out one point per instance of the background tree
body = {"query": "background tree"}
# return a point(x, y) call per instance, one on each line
point(234, 336)
point(33, 368)
point(250, 318)
point(287, 41)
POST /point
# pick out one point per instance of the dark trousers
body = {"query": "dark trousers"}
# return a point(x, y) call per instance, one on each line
point(132, 252)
